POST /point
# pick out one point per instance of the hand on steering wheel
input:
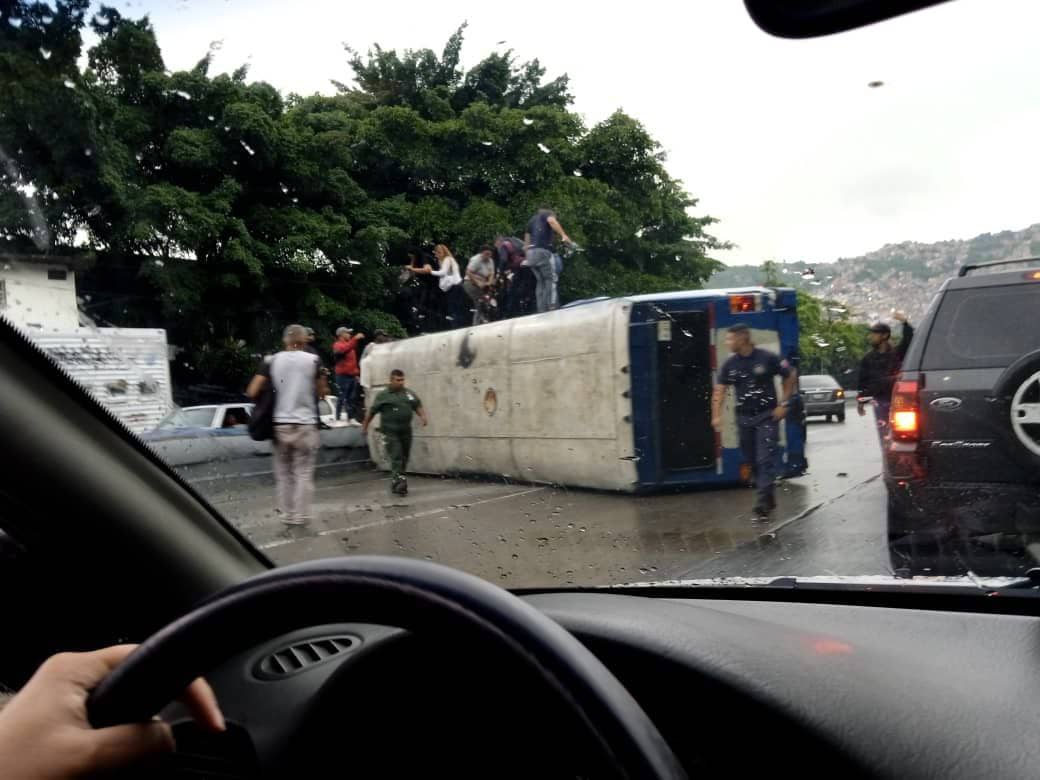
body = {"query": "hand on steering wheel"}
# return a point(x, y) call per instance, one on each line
point(411, 594)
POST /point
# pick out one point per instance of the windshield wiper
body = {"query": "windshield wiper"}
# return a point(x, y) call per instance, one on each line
point(1030, 580)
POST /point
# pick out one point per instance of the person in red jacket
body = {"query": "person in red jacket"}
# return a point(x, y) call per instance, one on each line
point(344, 353)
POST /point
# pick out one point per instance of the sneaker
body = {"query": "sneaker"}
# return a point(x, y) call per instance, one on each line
point(354, 423)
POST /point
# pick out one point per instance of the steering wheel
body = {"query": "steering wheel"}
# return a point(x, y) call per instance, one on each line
point(402, 592)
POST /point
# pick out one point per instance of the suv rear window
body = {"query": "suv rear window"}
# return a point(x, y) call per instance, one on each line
point(989, 327)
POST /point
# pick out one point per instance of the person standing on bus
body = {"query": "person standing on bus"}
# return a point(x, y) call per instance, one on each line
point(449, 279)
point(509, 258)
point(751, 371)
point(395, 407)
point(479, 283)
point(538, 241)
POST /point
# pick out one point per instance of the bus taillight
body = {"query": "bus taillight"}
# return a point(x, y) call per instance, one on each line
point(743, 304)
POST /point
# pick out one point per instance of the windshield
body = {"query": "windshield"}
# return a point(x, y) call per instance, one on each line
point(188, 418)
point(536, 295)
point(817, 381)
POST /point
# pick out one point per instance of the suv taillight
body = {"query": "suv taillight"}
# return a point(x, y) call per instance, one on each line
point(905, 415)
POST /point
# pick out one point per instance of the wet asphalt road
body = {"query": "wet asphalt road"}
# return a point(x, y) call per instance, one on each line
point(830, 521)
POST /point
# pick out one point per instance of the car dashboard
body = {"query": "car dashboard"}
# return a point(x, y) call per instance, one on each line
point(822, 689)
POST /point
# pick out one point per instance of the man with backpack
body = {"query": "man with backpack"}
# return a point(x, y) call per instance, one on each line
point(294, 374)
point(344, 352)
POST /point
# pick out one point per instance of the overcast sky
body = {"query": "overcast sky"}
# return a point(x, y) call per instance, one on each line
point(782, 141)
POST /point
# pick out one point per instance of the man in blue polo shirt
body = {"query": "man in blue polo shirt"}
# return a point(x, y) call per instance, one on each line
point(750, 371)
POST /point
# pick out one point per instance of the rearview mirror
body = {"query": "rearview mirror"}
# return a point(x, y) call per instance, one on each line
point(813, 18)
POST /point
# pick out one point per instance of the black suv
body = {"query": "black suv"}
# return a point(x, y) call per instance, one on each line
point(963, 457)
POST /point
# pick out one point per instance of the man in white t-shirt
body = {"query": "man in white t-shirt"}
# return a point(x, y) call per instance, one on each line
point(296, 377)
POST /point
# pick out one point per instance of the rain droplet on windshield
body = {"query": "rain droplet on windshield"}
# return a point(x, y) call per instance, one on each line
point(577, 172)
point(70, 84)
point(45, 53)
point(248, 148)
point(544, 148)
point(88, 152)
point(211, 118)
point(528, 122)
point(285, 190)
point(182, 93)
point(487, 143)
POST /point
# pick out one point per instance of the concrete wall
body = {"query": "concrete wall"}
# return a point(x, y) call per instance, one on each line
point(36, 303)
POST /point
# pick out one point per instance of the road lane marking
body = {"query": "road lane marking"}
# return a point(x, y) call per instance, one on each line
point(391, 520)
point(810, 510)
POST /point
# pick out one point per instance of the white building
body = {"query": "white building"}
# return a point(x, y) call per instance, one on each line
point(38, 292)
point(126, 369)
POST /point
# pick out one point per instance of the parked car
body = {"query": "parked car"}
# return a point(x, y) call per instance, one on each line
point(963, 456)
point(232, 418)
point(222, 419)
point(822, 395)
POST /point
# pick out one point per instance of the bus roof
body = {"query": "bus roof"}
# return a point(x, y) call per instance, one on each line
point(683, 295)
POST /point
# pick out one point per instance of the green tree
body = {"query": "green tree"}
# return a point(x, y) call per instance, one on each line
point(240, 209)
point(49, 157)
point(770, 274)
point(829, 343)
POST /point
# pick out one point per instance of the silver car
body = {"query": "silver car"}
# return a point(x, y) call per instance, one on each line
point(822, 395)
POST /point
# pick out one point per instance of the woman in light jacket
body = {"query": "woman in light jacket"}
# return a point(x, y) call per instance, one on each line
point(450, 282)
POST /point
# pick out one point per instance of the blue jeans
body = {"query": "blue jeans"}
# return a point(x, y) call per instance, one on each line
point(541, 264)
point(759, 441)
point(346, 387)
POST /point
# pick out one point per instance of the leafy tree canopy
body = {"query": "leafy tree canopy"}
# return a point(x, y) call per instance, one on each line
point(240, 209)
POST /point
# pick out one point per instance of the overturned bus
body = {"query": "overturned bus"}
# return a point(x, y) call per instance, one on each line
point(612, 394)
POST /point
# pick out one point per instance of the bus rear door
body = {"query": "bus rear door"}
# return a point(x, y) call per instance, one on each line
point(687, 440)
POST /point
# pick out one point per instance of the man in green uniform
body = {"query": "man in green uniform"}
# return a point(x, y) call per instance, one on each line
point(395, 406)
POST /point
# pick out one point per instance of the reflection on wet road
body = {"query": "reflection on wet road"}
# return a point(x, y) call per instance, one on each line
point(830, 521)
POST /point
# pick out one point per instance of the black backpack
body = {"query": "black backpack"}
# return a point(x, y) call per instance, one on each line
point(261, 424)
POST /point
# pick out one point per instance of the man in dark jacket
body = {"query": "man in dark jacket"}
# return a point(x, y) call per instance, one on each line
point(879, 369)
point(751, 372)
